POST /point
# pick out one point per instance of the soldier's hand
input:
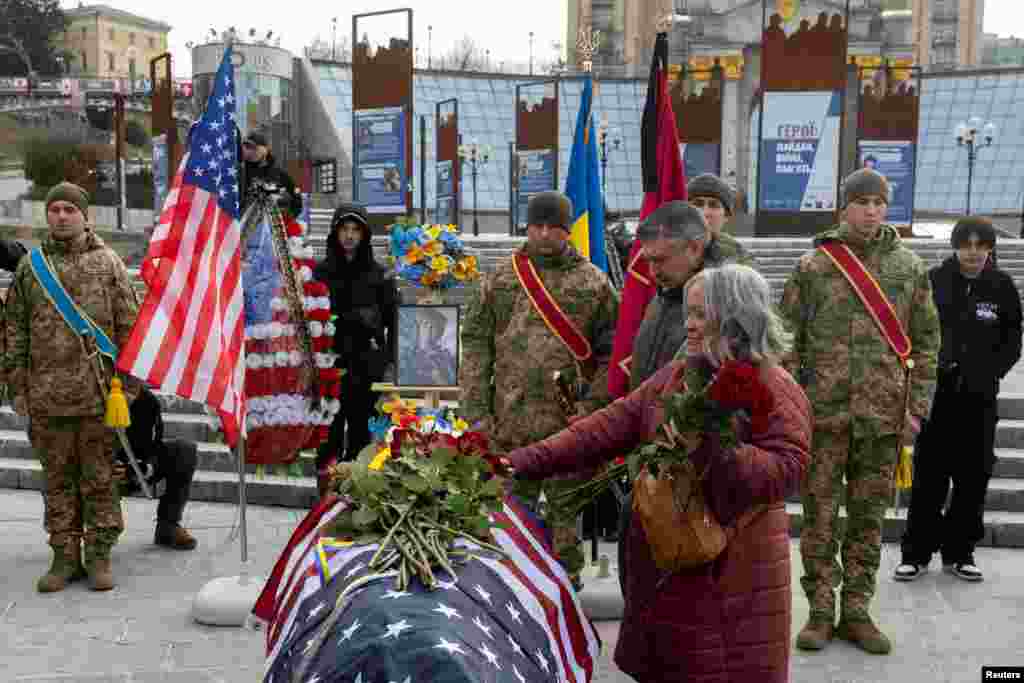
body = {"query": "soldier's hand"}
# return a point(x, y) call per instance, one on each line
point(912, 428)
point(20, 405)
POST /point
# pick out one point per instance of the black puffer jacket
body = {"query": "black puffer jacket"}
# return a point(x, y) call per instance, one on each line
point(363, 296)
point(981, 325)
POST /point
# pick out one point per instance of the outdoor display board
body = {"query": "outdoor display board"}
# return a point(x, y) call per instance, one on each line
point(380, 149)
point(896, 161)
point(800, 151)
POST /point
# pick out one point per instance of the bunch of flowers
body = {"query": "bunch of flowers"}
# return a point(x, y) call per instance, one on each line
point(431, 256)
point(705, 405)
point(425, 484)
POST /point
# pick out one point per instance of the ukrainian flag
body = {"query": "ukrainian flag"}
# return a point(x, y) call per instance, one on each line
point(583, 186)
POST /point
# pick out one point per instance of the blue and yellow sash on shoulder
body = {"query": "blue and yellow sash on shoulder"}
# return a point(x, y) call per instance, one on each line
point(77, 319)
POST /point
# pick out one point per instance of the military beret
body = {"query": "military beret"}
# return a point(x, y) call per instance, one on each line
point(69, 192)
point(549, 208)
point(863, 183)
point(708, 185)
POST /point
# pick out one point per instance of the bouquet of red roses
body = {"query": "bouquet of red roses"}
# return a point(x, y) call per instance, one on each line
point(707, 404)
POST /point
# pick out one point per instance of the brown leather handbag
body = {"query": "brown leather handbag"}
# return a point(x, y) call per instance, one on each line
point(681, 529)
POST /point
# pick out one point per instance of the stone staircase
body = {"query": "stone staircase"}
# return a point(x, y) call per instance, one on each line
point(217, 478)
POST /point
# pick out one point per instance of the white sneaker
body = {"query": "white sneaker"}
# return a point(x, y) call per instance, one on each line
point(968, 571)
point(909, 572)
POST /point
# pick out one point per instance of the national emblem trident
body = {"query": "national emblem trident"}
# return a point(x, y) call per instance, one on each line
point(587, 43)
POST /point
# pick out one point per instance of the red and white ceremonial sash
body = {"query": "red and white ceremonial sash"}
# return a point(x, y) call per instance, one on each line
point(872, 296)
point(553, 316)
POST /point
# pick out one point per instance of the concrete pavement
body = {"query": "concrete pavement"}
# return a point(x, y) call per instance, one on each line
point(943, 629)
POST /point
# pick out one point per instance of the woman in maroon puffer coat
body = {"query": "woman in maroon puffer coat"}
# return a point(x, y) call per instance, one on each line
point(727, 621)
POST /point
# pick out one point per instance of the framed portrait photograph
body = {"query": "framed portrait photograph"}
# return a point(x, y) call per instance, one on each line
point(428, 346)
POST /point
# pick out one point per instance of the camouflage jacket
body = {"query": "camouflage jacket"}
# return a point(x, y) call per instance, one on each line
point(840, 357)
point(729, 250)
point(509, 355)
point(45, 360)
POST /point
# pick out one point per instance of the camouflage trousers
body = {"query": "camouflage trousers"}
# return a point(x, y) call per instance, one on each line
point(861, 467)
point(82, 498)
point(565, 532)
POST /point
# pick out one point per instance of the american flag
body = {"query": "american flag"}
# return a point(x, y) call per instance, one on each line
point(189, 333)
point(501, 619)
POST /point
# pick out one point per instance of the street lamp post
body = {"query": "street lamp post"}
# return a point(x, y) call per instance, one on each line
point(975, 136)
point(334, 38)
point(476, 155)
point(603, 133)
point(531, 53)
point(430, 41)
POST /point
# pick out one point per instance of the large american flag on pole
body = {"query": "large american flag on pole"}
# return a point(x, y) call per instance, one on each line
point(507, 619)
point(189, 334)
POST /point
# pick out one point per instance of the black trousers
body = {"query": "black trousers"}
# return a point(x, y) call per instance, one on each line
point(956, 446)
point(350, 430)
point(176, 463)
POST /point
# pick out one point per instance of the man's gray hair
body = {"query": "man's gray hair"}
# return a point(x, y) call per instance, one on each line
point(739, 300)
point(674, 221)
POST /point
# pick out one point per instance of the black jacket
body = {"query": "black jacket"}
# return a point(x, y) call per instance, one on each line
point(11, 252)
point(363, 297)
point(269, 172)
point(981, 326)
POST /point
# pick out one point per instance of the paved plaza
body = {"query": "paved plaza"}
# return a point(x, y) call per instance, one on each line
point(942, 629)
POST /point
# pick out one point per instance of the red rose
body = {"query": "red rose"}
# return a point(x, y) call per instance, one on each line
point(321, 314)
point(474, 443)
point(734, 385)
point(293, 229)
point(438, 440)
point(321, 343)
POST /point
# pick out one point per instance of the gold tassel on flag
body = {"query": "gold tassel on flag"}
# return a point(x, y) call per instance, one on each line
point(117, 416)
point(905, 469)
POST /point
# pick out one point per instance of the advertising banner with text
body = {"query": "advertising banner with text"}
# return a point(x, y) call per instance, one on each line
point(700, 157)
point(445, 193)
point(896, 161)
point(379, 140)
point(536, 170)
point(800, 151)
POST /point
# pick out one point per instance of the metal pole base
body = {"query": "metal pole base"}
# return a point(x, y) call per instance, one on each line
point(227, 601)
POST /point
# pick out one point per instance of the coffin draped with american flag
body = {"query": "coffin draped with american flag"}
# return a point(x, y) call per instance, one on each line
point(501, 619)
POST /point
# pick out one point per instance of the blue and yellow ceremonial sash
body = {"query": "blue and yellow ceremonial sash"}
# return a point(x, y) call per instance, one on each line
point(77, 319)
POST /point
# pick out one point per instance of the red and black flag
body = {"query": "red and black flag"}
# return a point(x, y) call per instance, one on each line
point(664, 181)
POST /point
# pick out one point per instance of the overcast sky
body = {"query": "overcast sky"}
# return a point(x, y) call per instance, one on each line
point(501, 26)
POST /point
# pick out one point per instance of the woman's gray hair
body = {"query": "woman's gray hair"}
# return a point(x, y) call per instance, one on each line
point(739, 301)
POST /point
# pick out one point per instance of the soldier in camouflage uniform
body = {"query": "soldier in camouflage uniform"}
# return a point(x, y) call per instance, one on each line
point(857, 386)
point(509, 354)
point(54, 384)
point(716, 199)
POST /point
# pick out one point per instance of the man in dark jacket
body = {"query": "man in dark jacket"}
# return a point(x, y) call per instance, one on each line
point(363, 297)
point(260, 167)
point(11, 252)
point(169, 464)
point(980, 312)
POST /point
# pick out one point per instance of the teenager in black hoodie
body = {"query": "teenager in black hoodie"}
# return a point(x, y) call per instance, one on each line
point(363, 297)
point(980, 311)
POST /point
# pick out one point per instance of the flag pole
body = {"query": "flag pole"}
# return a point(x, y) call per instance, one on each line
point(242, 528)
point(228, 601)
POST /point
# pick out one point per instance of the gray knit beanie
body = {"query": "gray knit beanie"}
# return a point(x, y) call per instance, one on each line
point(865, 182)
point(708, 185)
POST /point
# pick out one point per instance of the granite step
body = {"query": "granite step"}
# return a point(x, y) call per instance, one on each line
point(1003, 529)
